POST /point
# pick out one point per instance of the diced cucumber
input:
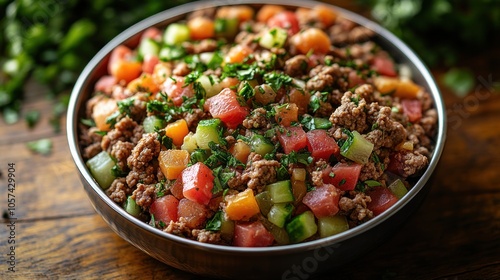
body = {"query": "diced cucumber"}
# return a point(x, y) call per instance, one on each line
point(226, 27)
point(273, 38)
point(264, 202)
point(211, 85)
point(321, 123)
point(398, 188)
point(226, 229)
point(198, 155)
point(260, 145)
point(301, 227)
point(357, 148)
point(280, 192)
point(176, 33)
point(100, 167)
point(169, 53)
point(131, 207)
point(280, 213)
point(328, 226)
point(280, 235)
point(189, 143)
point(206, 132)
point(152, 123)
point(148, 46)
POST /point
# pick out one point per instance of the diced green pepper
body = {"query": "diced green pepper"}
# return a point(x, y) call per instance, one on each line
point(264, 202)
point(176, 33)
point(100, 167)
point(280, 213)
point(398, 188)
point(207, 131)
point(131, 207)
point(301, 227)
point(328, 226)
point(260, 145)
point(152, 123)
point(280, 192)
point(356, 148)
point(226, 228)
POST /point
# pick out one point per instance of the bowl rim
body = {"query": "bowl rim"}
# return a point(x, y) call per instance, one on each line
point(159, 18)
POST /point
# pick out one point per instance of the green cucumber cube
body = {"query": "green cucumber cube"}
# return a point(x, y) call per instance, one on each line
point(301, 227)
point(322, 123)
point(152, 123)
point(131, 207)
point(226, 27)
point(328, 226)
point(260, 145)
point(357, 148)
point(207, 131)
point(148, 46)
point(280, 192)
point(264, 201)
point(100, 167)
point(176, 33)
point(226, 229)
point(280, 213)
point(398, 188)
point(274, 38)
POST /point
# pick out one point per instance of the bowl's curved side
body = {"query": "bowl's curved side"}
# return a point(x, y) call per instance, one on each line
point(231, 262)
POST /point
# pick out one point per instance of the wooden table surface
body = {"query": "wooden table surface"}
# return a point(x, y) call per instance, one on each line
point(454, 235)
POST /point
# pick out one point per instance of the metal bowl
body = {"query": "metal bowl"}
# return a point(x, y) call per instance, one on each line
point(298, 260)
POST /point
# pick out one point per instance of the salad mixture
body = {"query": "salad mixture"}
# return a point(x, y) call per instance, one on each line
point(257, 127)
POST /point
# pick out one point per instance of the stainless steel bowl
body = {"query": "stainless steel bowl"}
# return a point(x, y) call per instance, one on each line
point(286, 262)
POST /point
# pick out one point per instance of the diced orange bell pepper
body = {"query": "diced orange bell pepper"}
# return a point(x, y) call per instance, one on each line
point(286, 114)
point(172, 162)
point(177, 131)
point(240, 150)
point(241, 206)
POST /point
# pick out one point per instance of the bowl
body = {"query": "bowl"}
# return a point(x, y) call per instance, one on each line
point(286, 262)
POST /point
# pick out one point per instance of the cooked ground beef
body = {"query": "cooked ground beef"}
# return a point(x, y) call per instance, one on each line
point(297, 66)
point(260, 172)
point(206, 236)
point(356, 208)
point(125, 130)
point(257, 119)
point(120, 152)
point(351, 114)
point(144, 195)
point(207, 45)
point(119, 190)
point(144, 152)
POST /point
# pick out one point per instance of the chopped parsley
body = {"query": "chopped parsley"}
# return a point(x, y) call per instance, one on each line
point(215, 223)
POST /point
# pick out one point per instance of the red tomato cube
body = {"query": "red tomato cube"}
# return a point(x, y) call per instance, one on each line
point(286, 20)
point(292, 138)
point(343, 176)
point(193, 213)
point(176, 89)
point(320, 145)
point(413, 109)
point(105, 84)
point(165, 209)
point(382, 199)
point(323, 201)
point(149, 63)
point(197, 183)
point(384, 66)
point(252, 235)
point(227, 107)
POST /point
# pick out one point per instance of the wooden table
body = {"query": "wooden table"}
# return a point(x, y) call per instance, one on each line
point(454, 235)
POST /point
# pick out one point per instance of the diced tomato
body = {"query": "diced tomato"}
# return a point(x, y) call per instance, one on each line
point(152, 33)
point(226, 107)
point(177, 188)
point(355, 79)
point(382, 199)
point(292, 139)
point(197, 182)
point(413, 109)
point(175, 89)
point(320, 145)
point(384, 66)
point(192, 213)
point(397, 163)
point(286, 20)
point(343, 176)
point(105, 84)
point(252, 235)
point(323, 201)
point(165, 209)
point(149, 63)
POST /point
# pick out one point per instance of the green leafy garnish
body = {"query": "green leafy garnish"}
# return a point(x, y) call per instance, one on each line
point(42, 146)
point(215, 223)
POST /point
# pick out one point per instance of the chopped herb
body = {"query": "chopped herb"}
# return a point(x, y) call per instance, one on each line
point(278, 80)
point(342, 182)
point(88, 122)
point(375, 126)
point(215, 223)
point(216, 61)
point(347, 143)
point(32, 118)
point(162, 224)
point(310, 187)
point(372, 183)
point(246, 91)
point(360, 187)
point(160, 189)
point(152, 222)
point(124, 106)
point(102, 133)
point(331, 175)
point(42, 146)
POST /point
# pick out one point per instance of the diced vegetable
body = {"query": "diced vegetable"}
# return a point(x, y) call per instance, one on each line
point(323, 201)
point(398, 188)
point(320, 145)
point(268, 11)
point(397, 163)
point(238, 54)
point(198, 182)
point(325, 14)
point(201, 28)
point(226, 229)
point(148, 46)
point(189, 142)
point(226, 27)
point(312, 39)
point(131, 207)
point(286, 114)
point(177, 90)
point(211, 84)
point(192, 212)
point(176, 33)
point(101, 111)
point(357, 148)
point(280, 235)
point(328, 226)
point(122, 66)
point(344, 176)
point(406, 145)
point(252, 235)
point(172, 162)
point(164, 209)
point(144, 83)
point(301, 227)
point(177, 188)
point(264, 201)
point(240, 150)
point(280, 213)
point(227, 107)
point(105, 84)
point(286, 20)
point(242, 206)
point(413, 109)
point(240, 12)
point(177, 131)
point(299, 174)
point(260, 145)
point(382, 199)
point(384, 66)
point(273, 38)
point(280, 192)
point(299, 189)
point(207, 131)
point(292, 139)
point(321, 123)
point(399, 88)
point(152, 123)
point(264, 94)
point(100, 167)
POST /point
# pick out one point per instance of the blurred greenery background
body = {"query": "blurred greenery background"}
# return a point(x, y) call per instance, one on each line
point(52, 40)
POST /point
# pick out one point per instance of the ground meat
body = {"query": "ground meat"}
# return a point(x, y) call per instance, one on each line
point(126, 130)
point(297, 66)
point(119, 190)
point(91, 150)
point(417, 135)
point(182, 69)
point(238, 182)
point(138, 109)
point(374, 170)
point(429, 121)
point(120, 152)
point(257, 119)
point(193, 118)
point(322, 77)
point(206, 236)
point(355, 208)
point(351, 114)
point(144, 195)
point(146, 150)
point(146, 176)
point(385, 131)
point(317, 172)
point(360, 34)
point(364, 91)
point(207, 45)
point(260, 172)
point(178, 228)
point(413, 162)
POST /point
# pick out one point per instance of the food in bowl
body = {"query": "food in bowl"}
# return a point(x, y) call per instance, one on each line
point(255, 128)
